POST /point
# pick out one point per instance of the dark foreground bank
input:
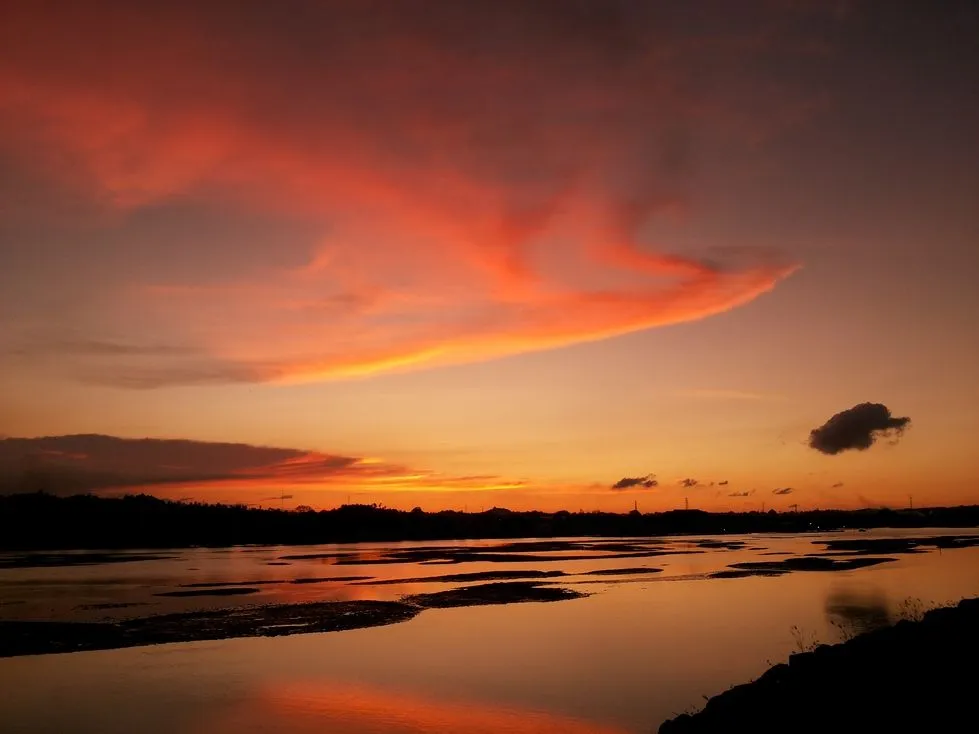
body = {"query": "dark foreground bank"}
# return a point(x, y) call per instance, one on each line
point(913, 677)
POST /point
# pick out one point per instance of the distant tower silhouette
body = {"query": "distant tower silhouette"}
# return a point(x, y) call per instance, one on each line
point(686, 503)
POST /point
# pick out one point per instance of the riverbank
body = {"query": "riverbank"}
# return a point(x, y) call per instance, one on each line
point(915, 676)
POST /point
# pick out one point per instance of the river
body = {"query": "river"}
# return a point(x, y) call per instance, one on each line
point(640, 647)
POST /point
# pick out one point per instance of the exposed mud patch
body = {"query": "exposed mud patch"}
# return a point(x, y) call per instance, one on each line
point(330, 579)
point(49, 560)
point(465, 577)
point(219, 584)
point(868, 546)
point(38, 638)
point(621, 571)
point(501, 593)
point(808, 563)
point(223, 591)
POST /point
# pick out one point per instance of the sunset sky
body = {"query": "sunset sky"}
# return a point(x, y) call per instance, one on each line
point(490, 253)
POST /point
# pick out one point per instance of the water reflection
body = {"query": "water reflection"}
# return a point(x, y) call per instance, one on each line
point(39, 586)
point(853, 610)
point(308, 707)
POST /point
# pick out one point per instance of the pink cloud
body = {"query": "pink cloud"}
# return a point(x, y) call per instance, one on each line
point(484, 181)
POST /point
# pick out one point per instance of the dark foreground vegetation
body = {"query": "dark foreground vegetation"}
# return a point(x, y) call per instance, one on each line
point(43, 521)
point(914, 677)
point(272, 620)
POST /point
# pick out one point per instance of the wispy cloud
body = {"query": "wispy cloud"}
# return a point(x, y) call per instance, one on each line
point(142, 364)
point(86, 347)
point(726, 394)
point(783, 490)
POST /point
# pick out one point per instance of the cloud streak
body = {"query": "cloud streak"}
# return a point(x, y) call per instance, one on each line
point(446, 230)
point(857, 429)
point(174, 467)
point(722, 394)
point(783, 490)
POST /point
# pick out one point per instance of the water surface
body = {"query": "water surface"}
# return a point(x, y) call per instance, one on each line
point(640, 648)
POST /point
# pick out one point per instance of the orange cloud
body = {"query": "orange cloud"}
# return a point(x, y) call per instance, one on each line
point(473, 203)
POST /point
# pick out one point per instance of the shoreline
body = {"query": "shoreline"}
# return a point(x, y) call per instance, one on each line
point(913, 676)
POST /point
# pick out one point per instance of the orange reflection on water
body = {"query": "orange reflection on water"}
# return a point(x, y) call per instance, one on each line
point(300, 707)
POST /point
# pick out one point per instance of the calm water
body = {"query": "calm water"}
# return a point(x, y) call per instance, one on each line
point(634, 652)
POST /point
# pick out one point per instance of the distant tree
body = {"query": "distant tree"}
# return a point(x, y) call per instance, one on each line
point(37, 520)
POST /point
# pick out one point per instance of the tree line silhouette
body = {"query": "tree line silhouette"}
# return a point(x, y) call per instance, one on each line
point(45, 521)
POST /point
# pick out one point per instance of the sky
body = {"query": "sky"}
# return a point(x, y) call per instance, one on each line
point(464, 255)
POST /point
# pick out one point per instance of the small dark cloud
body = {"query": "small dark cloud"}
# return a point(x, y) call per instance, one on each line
point(646, 482)
point(856, 428)
point(739, 494)
point(837, 485)
point(723, 483)
point(688, 483)
point(782, 490)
